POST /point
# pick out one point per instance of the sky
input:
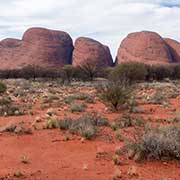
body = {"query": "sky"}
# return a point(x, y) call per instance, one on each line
point(108, 21)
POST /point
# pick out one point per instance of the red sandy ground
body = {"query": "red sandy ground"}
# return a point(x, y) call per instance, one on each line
point(52, 158)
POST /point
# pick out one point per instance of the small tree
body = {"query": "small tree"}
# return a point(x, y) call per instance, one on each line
point(68, 73)
point(30, 71)
point(90, 69)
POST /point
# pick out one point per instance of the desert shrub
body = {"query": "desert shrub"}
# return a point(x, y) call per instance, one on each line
point(159, 97)
point(77, 107)
point(87, 131)
point(119, 136)
point(101, 121)
point(69, 99)
point(50, 99)
point(65, 124)
point(52, 123)
point(107, 71)
point(3, 87)
point(85, 126)
point(127, 121)
point(84, 96)
point(133, 72)
point(157, 143)
point(79, 96)
point(7, 108)
point(11, 110)
point(4, 101)
point(115, 93)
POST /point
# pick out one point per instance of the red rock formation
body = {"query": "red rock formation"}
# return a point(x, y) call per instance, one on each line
point(174, 47)
point(91, 51)
point(39, 46)
point(146, 47)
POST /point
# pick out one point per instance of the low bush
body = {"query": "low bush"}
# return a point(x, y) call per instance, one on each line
point(79, 96)
point(84, 126)
point(127, 121)
point(159, 97)
point(115, 93)
point(65, 124)
point(84, 96)
point(77, 107)
point(7, 108)
point(156, 143)
point(52, 123)
point(3, 87)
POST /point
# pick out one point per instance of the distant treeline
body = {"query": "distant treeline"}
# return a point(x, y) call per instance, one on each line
point(87, 72)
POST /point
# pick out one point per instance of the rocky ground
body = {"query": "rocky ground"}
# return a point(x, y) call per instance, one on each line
point(34, 148)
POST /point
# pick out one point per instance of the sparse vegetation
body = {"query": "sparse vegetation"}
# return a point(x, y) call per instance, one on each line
point(47, 104)
point(157, 143)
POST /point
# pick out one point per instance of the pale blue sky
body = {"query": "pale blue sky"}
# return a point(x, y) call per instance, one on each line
point(108, 21)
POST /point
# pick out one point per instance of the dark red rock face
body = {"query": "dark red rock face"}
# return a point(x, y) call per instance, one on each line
point(174, 47)
point(87, 50)
point(146, 47)
point(39, 46)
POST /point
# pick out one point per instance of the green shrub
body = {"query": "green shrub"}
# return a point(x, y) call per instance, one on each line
point(133, 72)
point(3, 87)
point(115, 93)
point(87, 131)
point(159, 72)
